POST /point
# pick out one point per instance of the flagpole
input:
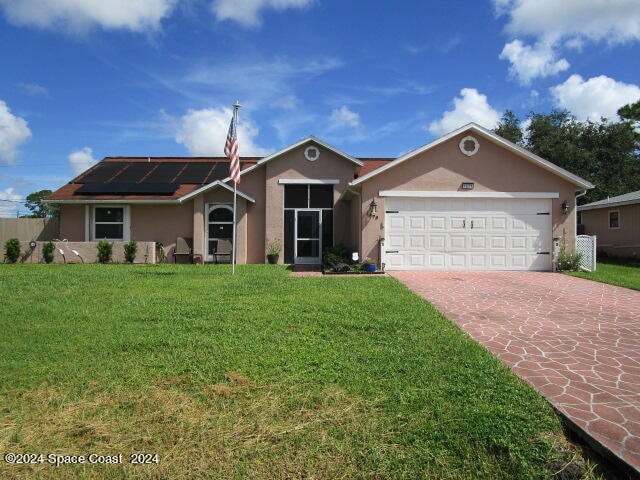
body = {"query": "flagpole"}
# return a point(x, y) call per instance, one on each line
point(233, 245)
point(235, 190)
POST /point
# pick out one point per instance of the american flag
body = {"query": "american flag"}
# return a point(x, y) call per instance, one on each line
point(231, 148)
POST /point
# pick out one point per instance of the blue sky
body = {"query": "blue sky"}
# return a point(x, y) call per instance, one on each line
point(85, 79)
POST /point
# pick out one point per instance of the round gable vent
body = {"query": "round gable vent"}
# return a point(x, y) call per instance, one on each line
point(311, 153)
point(469, 145)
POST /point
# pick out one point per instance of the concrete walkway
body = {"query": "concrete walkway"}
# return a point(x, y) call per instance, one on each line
point(576, 341)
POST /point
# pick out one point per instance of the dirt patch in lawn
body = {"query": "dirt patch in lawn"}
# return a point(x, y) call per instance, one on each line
point(220, 431)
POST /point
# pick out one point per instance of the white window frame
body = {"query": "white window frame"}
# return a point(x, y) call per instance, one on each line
point(210, 208)
point(126, 222)
point(609, 219)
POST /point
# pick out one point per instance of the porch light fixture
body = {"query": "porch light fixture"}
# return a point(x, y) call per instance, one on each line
point(354, 256)
point(373, 208)
point(565, 207)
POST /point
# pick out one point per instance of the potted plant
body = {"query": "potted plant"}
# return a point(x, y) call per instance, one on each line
point(368, 265)
point(273, 251)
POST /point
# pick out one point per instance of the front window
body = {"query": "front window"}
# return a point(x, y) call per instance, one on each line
point(220, 226)
point(614, 219)
point(109, 223)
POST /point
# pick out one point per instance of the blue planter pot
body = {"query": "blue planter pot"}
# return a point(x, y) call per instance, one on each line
point(369, 268)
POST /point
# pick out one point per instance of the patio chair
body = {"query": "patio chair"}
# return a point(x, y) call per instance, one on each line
point(223, 250)
point(182, 248)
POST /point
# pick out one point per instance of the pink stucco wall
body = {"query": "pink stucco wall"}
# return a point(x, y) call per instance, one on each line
point(616, 242)
point(444, 168)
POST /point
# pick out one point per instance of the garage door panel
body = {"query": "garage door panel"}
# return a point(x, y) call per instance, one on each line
point(468, 234)
point(478, 242)
point(396, 241)
point(499, 223)
point(437, 260)
point(458, 261)
point(416, 223)
point(396, 222)
point(457, 222)
point(437, 241)
point(478, 223)
point(498, 242)
point(417, 241)
point(457, 242)
point(498, 261)
point(438, 223)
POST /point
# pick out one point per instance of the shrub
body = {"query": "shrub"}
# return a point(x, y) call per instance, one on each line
point(568, 261)
point(47, 252)
point(130, 250)
point(337, 254)
point(105, 249)
point(12, 250)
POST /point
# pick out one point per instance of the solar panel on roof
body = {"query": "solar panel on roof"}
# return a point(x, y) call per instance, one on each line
point(196, 172)
point(165, 172)
point(135, 173)
point(220, 171)
point(127, 189)
point(103, 172)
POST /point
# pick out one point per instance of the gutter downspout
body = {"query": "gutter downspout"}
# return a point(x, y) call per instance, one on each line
point(575, 218)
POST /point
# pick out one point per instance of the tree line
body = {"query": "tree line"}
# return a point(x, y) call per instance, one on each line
point(606, 153)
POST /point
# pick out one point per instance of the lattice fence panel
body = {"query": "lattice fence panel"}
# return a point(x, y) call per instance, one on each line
point(586, 245)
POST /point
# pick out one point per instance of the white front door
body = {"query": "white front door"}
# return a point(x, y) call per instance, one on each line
point(467, 234)
point(308, 241)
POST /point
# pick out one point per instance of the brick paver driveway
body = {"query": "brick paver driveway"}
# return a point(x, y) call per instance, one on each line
point(576, 341)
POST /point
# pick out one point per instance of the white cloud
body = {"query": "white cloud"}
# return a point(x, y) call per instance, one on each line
point(612, 20)
point(565, 24)
point(247, 12)
point(81, 160)
point(255, 82)
point(594, 98)
point(204, 132)
point(14, 131)
point(529, 62)
point(80, 15)
point(471, 106)
point(9, 202)
point(34, 90)
point(343, 117)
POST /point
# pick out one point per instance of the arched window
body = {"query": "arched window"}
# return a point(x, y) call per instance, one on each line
point(219, 225)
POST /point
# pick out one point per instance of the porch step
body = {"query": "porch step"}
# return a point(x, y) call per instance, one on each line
point(306, 268)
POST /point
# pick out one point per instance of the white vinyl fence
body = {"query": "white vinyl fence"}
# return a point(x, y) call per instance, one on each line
point(586, 245)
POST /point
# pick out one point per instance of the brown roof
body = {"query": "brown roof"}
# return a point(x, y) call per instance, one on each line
point(146, 178)
point(159, 178)
point(371, 164)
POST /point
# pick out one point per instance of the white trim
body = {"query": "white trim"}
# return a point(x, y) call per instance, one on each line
point(584, 208)
point(456, 194)
point(87, 223)
point(307, 153)
point(126, 222)
point(114, 202)
point(211, 186)
point(491, 136)
point(476, 145)
point(210, 207)
point(609, 219)
point(310, 138)
point(307, 181)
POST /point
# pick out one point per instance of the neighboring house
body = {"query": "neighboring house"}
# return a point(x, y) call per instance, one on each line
point(616, 223)
point(469, 200)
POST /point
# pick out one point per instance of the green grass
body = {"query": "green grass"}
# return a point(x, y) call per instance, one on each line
point(615, 274)
point(259, 375)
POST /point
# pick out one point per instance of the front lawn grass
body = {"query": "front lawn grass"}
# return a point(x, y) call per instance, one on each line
point(259, 375)
point(614, 273)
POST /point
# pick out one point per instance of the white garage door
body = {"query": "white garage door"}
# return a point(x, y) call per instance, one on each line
point(467, 234)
